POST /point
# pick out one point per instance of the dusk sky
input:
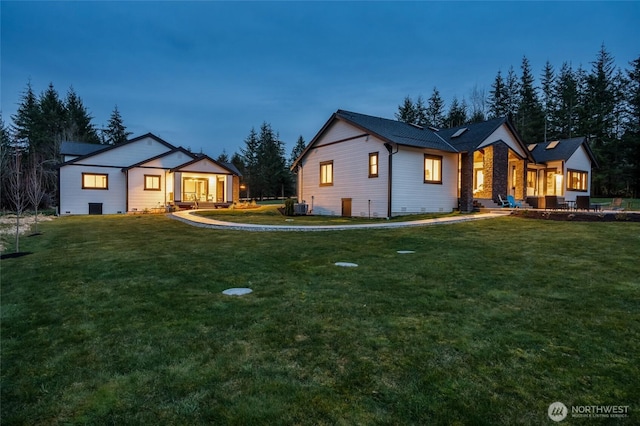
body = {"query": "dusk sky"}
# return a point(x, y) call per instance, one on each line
point(202, 74)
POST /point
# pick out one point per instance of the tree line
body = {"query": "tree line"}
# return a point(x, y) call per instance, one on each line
point(602, 103)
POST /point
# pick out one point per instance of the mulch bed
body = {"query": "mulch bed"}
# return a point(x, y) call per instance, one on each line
point(574, 216)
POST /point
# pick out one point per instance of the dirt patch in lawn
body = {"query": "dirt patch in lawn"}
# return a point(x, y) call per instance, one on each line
point(572, 216)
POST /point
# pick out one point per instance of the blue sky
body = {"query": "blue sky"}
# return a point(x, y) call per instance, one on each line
point(202, 74)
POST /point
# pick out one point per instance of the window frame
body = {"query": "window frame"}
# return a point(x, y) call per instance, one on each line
point(147, 188)
point(372, 165)
point(438, 159)
point(581, 174)
point(323, 165)
point(106, 181)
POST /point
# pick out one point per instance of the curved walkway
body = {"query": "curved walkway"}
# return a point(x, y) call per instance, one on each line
point(190, 218)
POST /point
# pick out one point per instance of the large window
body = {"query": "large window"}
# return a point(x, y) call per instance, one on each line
point(577, 180)
point(432, 169)
point(152, 182)
point(326, 173)
point(95, 181)
point(373, 165)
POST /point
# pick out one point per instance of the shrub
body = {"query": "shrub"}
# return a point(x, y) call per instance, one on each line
point(288, 207)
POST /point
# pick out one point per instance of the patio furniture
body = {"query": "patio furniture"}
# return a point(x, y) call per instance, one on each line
point(551, 202)
point(583, 202)
point(513, 203)
point(616, 204)
point(503, 203)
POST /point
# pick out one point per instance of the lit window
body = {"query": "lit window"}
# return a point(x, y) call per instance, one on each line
point(152, 182)
point(432, 169)
point(95, 181)
point(577, 180)
point(373, 165)
point(326, 173)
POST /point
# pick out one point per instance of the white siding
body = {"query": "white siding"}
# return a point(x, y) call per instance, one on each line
point(504, 134)
point(75, 200)
point(141, 199)
point(127, 154)
point(168, 161)
point(350, 175)
point(338, 131)
point(411, 194)
point(578, 161)
point(204, 166)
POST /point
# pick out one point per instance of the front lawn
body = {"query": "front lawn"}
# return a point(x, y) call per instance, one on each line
point(121, 320)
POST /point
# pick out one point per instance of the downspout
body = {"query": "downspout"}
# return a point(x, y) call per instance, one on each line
point(126, 191)
point(390, 179)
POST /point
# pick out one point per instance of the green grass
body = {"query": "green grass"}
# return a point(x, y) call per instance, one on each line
point(121, 320)
point(269, 215)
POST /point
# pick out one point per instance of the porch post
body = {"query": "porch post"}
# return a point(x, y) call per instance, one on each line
point(466, 182)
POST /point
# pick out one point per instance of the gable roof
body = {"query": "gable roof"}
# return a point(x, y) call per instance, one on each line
point(164, 154)
point(229, 167)
point(561, 150)
point(110, 147)
point(80, 148)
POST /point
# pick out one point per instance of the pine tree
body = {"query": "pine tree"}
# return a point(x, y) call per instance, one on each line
point(116, 132)
point(53, 118)
point(512, 92)
point(273, 175)
point(223, 157)
point(27, 118)
point(250, 161)
point(78, 125)
point(407, 111)
point(478, 104)
point(565, 94)
point(421, 118)
point(435, 110)
point(497, 102)
point(457, 114)
point(530, 118)
point(631, 137)
point(548, 100)
point(297, 150)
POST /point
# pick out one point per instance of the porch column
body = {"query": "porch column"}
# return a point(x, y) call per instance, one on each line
point(466, 182)
point(500, 170)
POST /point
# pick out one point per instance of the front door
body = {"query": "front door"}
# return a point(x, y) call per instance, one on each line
point(346, 207)
point(195, 189)
point(220, 190)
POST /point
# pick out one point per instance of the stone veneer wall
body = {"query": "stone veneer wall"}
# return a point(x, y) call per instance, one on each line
point(499, 170)
point(466, 186)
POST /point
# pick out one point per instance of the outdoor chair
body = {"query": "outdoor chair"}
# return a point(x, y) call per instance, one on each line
point(616, 204)
point(583, 202)
point(551, 202)
point(513, 203)
point(503, 203)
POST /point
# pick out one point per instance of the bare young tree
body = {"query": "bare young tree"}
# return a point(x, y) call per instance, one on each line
point(16, 190)
point(34, 185)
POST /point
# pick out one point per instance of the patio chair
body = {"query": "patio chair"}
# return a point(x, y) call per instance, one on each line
point(513, 203)
point(551, 202)
point(583, 202)
point(503, 203)
point(616, 204)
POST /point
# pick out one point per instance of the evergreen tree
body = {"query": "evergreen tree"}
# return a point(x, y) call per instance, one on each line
point(530, 118)
point(435, 110)
point(407, 111)
point(512, 92)
point(631, 138)
point(27, 118)
point(52, 123)
point(457, 114)
point(116, 132)
point(497, 102)
point(272, 169)
point(421, 118)
point(297, 150)
point(223, 157)
point(5, 155)
point(250, 161)
point(548, 100)
point(478, 104)
point(78, 121)
point(565, 93)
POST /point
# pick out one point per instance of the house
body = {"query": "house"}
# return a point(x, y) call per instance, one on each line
point(360, 165)
point(142, 174)
point(562, 168)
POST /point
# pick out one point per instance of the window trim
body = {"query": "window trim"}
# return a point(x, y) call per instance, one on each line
point(159, 188)
point(586, 180)
point(424, 168)
point(106, 180)
point(322, 165)
point(377, 164)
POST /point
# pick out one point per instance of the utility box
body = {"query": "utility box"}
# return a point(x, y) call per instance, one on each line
point(300, 209)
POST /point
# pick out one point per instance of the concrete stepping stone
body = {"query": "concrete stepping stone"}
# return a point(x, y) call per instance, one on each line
point(346, 264)
point(237, 291)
